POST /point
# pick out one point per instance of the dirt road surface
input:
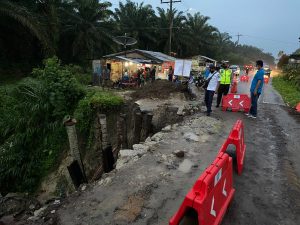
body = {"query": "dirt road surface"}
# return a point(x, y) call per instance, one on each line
point(268, 192)
point(148, 188)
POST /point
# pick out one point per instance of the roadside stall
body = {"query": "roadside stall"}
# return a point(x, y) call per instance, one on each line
point(130, 63)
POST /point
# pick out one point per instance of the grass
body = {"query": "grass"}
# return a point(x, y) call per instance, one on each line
point(288, 90)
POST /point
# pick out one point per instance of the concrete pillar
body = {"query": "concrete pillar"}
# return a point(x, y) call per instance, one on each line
point(103, 124)
point(73, 141)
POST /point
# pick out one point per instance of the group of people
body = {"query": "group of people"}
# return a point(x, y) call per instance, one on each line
point(218, 82)
point(145, 75)
point(101, 76)
point(141, 76)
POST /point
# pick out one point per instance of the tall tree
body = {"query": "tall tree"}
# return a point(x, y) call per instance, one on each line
point(25, 15)
point(202, 33)
point(138, 21)
point(180, 36)
point(88, 26)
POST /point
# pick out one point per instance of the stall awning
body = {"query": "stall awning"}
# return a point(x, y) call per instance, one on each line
point(141, 56)
point(137, 61)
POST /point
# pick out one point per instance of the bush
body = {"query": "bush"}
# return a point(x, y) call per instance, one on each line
point(82, 76)
point(283, 61)
point(95, 101)
point(288, 90)
point(86, 110)
point(32, 135)
point(291, 73)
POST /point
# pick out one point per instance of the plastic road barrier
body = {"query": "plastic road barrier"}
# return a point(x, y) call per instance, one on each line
point(266, 80)
point(211, 194)
point(236, 137)
point(244, 78)
point(234, 86)
point(236, 102)
point(298, 107)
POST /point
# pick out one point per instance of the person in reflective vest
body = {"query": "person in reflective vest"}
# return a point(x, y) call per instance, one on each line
point(226, 76)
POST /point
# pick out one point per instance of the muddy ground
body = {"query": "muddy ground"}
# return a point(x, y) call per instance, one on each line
point(150, 182)
point(158, 89)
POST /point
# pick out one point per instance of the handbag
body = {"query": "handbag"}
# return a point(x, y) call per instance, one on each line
point(206, 83)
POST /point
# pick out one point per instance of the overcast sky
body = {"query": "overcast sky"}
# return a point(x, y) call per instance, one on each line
point(271, 25)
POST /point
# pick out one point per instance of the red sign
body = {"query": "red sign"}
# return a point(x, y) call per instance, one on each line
point(236, 102)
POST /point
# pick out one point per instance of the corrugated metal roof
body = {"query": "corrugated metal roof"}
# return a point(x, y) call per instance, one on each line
point(138, 61)
point(155, 57)
point(161, 56)
point(205, 57)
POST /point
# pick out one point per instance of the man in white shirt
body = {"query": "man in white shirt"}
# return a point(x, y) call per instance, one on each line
point(213, 85)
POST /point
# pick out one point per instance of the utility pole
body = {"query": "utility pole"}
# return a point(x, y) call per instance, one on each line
point(238, 40)
point(171, 20)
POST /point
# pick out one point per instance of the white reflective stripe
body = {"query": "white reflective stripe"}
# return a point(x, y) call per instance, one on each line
point(212, 211)
point(241, 103)
point(218, 177)
point(230, 102)
point(224, 192)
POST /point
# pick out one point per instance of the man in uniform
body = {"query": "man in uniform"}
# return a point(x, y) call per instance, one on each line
point(225, 81)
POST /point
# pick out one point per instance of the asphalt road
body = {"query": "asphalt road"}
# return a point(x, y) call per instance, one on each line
point(268, 192)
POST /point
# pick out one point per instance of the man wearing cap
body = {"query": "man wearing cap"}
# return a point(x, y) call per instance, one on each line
point(213, 80)
point(226, 75)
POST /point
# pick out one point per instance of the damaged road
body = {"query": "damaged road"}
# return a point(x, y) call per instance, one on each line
point(150, 188)
point(151, 180)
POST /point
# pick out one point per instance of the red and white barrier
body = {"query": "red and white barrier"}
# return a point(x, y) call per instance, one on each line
point(244, 78)
point(236, 137)
point(236, 102)
point(213, 191)
point(211, 194)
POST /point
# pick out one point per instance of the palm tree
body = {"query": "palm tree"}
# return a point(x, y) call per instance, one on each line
point(203, 34)
point(138, 21)
point(87, 23)
point(180, 36)
point(27, 18)
point(222, 45)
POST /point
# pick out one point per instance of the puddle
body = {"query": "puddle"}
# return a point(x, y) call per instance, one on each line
point(185, 166)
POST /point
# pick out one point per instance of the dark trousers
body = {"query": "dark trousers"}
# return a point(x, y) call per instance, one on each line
point(254, 99)
point(209, 95)
point(223, 90)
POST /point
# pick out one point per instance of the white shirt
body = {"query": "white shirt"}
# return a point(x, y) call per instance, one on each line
point(214, 81)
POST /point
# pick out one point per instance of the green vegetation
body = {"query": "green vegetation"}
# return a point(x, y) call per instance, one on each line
point(288, 84)
point(32, 135)
point(291, 73)
point(87, 108)
point(80, 30)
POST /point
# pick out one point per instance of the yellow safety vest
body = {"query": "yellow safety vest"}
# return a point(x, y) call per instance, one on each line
point(226, 76)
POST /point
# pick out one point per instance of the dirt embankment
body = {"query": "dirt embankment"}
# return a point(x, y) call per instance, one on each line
point(168, 104)
point(158, 89)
